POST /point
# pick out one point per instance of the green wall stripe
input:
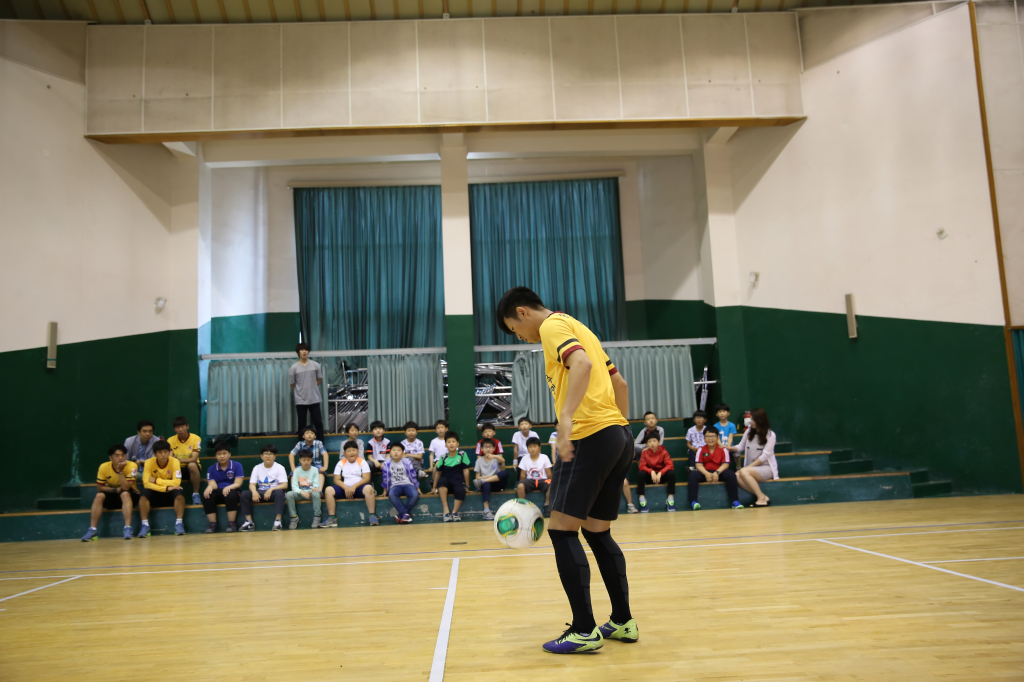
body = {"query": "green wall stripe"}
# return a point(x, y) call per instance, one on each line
point(458, 330)
point(264, 332)
point(906, 393)
point(92, 400)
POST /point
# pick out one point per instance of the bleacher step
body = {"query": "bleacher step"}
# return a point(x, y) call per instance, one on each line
point(58, 503)
point(933, 489)
point(853, 466)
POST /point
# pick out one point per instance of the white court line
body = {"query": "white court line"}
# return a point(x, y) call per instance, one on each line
point(934, 568)
point(960, 561)
point(74, 577)
point(441, 648)
point(508, 555)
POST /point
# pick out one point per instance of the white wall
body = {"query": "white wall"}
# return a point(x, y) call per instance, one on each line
point(891, 151)
point(670, 234)
point(159, 79)
point(92, 234)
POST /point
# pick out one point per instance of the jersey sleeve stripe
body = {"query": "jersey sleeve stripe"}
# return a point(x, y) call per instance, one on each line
point(567, 342)
point(613, 371)
point(569, 351)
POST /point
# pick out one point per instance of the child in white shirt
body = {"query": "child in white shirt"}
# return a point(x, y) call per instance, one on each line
point(535, 474)
point(519, 439)
point(414, 448)
point(437, 449)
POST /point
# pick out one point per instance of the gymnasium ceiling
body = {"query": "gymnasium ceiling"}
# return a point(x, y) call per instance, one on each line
point(286, 11)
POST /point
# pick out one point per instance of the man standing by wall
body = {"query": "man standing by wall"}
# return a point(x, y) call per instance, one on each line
point(305, 378)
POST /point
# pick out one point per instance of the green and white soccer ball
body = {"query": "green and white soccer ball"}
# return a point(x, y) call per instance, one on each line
point(519, 524)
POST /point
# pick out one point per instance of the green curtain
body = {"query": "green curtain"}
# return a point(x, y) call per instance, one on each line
point(370, 267)
point(251, 396)
point(562, 239)
point(660, 379)
point(405, 388)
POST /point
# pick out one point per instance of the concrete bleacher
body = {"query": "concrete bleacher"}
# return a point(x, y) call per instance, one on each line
point(808, 477)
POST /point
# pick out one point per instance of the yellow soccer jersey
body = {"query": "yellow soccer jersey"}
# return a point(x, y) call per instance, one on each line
point(169, 475)
point(108, 477)
point(184, 450)
point(561, 335)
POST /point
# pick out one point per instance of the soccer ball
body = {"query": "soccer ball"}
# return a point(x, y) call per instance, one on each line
point(519, 524)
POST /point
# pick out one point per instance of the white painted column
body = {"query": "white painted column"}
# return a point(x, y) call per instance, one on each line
point(458, 284)
point(720, 236)
point(458, 280)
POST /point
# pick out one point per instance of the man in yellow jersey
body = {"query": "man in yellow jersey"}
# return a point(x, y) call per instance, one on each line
point(161, 487)
point(595, 451)
point(186, 447)
point(115, 489)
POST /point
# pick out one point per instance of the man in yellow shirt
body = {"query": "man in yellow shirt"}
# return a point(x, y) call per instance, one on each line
point(595, 451)
point(161, 487)
point(186, 447)
point(115, 489)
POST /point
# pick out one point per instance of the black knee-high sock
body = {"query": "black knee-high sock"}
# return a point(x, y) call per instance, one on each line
point(613, 571)
point(574, 570)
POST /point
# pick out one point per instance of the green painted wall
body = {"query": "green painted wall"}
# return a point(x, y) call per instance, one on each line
point(458, 334)
point(89, 402)
point(906, 393)
point(265, 332)
point(653, 319)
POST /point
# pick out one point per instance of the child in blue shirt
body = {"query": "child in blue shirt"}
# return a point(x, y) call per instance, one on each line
point(726, 429)
point(224, 478)
point(321, 460)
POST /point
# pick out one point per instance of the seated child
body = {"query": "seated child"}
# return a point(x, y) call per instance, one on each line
point(695, 434)
point(452, 475)
point(306, 485)
point(161, 487)
point(351, 481)
point(353, 435)
point(379, 445)
point(400, 479)
point(115, 489)
point(487, 431)
point(413, 448)
point(726, 429)
point(656, 467)
point(437, 447)
point(490, 473)
point(650, 426)
point(519, 440)
point(267, 483)
point(321, 460)
point(224, 479)
point(712, 462)
point(535, 474)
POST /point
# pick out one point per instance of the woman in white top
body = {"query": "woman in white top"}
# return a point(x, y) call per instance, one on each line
point(758, 449)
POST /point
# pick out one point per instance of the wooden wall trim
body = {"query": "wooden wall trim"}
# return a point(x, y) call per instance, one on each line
point(1011, 360)
point(218, 135)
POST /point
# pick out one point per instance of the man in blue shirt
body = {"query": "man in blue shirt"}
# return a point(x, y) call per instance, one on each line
point(225, 478)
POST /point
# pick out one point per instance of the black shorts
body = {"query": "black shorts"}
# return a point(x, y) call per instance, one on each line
point(159, 499)
point(113, 500)
point(590, 484)
point(532, 484)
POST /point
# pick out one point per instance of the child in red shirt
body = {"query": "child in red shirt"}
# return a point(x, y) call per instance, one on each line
point(656, 467)
point(712, 462)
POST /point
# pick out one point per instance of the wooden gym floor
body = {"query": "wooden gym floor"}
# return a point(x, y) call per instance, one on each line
point(905, 590)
